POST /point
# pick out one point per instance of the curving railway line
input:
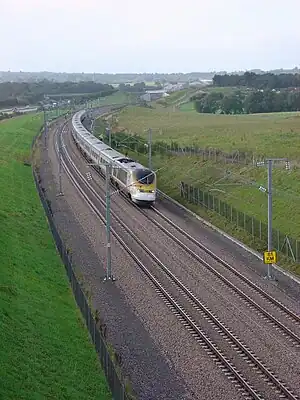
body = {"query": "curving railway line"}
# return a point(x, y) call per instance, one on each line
point(259, 354)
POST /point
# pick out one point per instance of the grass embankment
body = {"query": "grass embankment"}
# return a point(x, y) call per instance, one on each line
point(274, 135)
point(177, 97)
point(117, 98)
point(189, 106)
point(45, 349)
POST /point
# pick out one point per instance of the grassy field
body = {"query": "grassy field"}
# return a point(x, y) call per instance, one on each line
point(46, 352)
point(176, 97)
point(226, 90)
point(116, 98)
point(273, 135)
point(189, 106)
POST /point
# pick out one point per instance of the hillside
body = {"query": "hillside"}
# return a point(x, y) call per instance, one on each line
point(46, 352)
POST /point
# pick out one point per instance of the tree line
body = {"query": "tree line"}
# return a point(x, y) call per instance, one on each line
point(239, 102)
point(258, 81)
point(13, 76)
point(14, 94)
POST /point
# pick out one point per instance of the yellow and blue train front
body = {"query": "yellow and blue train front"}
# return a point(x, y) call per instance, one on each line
point(144, 188)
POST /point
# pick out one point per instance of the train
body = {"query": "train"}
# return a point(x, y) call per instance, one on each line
point(136, 181)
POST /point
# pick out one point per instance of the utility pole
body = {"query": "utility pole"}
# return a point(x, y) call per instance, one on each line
point(108, 130)
point(60, 168)
point(108, 218)
point(269, 162)
point(108, 171)
point(60, 173)
point(150, 148)
point(45, 126)
point(270, 213)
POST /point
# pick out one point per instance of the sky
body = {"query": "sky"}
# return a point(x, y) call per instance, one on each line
point(114, 36)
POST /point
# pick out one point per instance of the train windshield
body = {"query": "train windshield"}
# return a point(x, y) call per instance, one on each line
point(145, 176)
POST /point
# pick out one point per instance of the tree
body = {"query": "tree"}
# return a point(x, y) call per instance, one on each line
point(258, 81)
point(232, 104)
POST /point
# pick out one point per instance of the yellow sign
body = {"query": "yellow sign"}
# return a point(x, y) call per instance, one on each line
point(270, 257)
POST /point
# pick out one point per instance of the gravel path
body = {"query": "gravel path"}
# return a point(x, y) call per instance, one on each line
point(161, 359)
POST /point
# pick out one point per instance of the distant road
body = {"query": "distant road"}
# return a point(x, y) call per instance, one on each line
point(19, 109)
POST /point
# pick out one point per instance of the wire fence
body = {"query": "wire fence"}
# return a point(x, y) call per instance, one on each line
point(217, 155)
point(116, 385)
point(257, 229)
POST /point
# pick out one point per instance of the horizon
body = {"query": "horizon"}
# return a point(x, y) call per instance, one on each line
point(296, 67)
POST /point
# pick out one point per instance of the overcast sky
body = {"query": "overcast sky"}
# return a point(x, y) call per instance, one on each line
point(149, 36)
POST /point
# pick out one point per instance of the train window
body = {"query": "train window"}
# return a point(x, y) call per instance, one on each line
point(121, 175)
point(144, 176)
point(125, 160)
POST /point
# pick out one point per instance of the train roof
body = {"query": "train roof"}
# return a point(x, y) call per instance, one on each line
point(101, 147)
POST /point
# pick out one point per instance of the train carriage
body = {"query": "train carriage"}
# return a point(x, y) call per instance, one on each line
point(137, 181)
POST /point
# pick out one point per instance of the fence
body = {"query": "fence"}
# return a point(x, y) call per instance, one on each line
point(113, 379)
point(216, 155)
point(256, 228)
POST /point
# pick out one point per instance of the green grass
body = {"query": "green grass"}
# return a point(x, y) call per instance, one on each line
point(45, 348)
point(189, 106)
point(176, 97)
point(117, 98)
point(223, 89)
point(275, 135)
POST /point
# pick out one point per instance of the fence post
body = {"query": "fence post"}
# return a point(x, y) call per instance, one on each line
point(231, 213)
point(260, 229)
point(198, 194)
point(252, 222)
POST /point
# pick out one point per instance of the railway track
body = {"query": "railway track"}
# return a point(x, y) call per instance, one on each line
point(241, 365)
point(288, 315)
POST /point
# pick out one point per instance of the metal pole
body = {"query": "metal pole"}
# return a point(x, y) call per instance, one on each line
point(109, 136)
point(108, 257)
point(270, 216)
point(45, 126)
point(150, 148)
point(60, 170)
